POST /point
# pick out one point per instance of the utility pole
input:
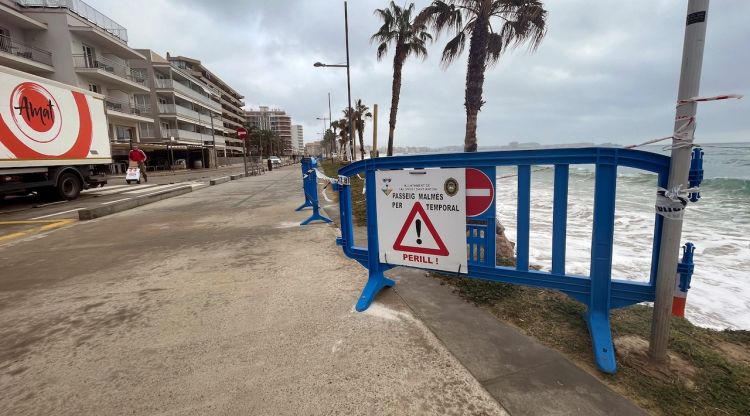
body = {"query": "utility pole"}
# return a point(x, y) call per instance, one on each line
point(349, 86)
point(374, 152)
point(690, 75)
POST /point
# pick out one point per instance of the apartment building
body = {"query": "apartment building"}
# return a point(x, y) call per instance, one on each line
point(298, 146)
point(71, 42)
point(232, 114)
point(276, 120)
point(186, 112)
point(313, 148)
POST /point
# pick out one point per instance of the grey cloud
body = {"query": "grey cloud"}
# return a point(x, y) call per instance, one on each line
point(607, 71)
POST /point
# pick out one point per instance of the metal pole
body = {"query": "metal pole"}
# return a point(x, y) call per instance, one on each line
point(330, 121)
point(349, 85)
point(374, 152)
point(692, 60)
point(324, 132)
point(244, 154)
point(330, 117)
point(215, 159)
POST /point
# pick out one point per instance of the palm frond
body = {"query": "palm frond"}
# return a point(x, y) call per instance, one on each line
point(453, 49)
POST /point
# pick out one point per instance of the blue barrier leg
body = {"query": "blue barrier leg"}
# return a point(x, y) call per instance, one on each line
point(601, 267)
point(601, 340)
point(305, 205)
point(316, 215)
point(375, 283)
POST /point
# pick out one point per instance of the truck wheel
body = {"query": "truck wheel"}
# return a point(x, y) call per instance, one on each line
point(69, 186)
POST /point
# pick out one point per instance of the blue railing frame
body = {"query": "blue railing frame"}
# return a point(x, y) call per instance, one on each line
point(599, 292)
point(310, 189)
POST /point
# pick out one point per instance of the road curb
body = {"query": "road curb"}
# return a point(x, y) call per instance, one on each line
point(217, 181)
point(237, 176)
point(104, 210)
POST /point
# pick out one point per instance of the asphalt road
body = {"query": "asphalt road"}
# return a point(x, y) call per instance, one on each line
point(213, 302)
point(33, 208)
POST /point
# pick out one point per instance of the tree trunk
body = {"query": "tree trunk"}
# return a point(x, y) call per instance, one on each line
point(361, 132)
point(475, 79)
point(398, 64)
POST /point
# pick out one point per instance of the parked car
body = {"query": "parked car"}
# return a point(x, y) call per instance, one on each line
point(275, 161)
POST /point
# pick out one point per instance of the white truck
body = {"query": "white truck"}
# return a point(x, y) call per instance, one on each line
point(53, 137)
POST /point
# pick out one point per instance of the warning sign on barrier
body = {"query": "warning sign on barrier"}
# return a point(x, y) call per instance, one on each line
point(422, 218)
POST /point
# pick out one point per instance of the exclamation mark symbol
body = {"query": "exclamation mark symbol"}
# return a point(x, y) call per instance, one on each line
point(418, 223)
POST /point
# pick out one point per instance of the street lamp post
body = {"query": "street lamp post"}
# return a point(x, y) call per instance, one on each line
point(324, 125)
point(348, 81)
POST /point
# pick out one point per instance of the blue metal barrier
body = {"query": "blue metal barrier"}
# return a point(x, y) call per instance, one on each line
point(599, 291)
point(310, 189)
point(306, 164)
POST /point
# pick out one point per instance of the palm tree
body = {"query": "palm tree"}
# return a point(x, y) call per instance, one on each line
point(521, 21)
point(344, 138)
point(361, 112)
point(409, 38)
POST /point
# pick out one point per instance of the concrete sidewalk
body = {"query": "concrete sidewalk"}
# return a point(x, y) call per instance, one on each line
point(526, 377)
point(214, 302)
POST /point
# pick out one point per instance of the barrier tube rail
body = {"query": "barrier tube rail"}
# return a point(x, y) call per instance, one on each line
point(598, 291)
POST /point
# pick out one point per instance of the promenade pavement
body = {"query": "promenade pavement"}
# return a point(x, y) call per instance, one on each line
point(213, 302)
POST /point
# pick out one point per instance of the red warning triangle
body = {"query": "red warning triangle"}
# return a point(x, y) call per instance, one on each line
point(442, 250)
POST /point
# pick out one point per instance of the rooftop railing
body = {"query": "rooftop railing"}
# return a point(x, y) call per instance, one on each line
point(13, 47)
point(84, 10)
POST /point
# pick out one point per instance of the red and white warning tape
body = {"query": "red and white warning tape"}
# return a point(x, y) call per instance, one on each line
point(680, 135)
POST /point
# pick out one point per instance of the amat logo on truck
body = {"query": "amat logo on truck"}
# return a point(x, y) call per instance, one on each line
point(35, 112)
point(44, 121)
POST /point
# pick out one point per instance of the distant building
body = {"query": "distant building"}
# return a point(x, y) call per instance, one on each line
point(313, 148)
point(276, 120)
point(298, 145)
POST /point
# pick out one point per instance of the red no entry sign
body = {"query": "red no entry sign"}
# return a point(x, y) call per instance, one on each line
point(480, 192)
point(241, 133)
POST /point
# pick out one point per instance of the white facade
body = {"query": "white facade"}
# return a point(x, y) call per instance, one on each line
point(298, 146)
point(276, 120)
point(184, 109)
point(57, 40)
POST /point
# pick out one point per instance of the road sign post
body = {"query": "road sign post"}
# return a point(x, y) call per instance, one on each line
point(242, 135)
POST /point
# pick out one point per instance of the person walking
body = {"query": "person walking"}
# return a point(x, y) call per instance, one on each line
point(138, 156)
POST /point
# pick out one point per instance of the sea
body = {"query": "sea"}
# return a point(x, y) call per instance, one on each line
point(718, 225)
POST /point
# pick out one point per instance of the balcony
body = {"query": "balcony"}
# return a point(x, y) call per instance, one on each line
point(189, 93)
point(119, 109)
point(191, 137)
point(109, 72)
point(192, 115)
point(24, 57)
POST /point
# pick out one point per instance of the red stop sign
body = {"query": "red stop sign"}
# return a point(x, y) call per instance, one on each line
point(480, 192)
point(241, 133)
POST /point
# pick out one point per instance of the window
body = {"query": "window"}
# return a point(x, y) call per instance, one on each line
point(139, 74)
point(123, 133)
point(89, 56)
point(141, 101)
point(165, 131)
point(5, 43)
point(95, 88)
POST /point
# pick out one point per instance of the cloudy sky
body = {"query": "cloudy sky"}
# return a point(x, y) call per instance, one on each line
point(607, 71)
